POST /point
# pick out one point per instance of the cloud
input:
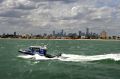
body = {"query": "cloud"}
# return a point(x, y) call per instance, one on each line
point(18, 4)
point(12, 13)
point(47, 15)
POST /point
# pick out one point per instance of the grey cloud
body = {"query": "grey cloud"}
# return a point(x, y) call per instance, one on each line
point(18, 4)
point(67, 1)
point(41, 15)
point(26, 7)
point(1, 1)
point(13, 13)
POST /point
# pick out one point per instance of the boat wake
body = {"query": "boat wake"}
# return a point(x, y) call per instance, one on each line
point(74, 58)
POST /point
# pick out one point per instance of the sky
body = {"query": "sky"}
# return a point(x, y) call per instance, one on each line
point(44, 16)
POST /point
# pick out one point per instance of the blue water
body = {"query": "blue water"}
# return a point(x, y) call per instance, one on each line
point(86, 59)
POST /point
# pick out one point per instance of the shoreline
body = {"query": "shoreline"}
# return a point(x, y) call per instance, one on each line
point(61, 39)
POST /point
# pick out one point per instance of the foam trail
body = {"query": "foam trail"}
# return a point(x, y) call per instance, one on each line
point(73, 57)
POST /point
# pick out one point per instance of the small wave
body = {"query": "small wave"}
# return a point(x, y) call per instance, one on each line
point(74, 58)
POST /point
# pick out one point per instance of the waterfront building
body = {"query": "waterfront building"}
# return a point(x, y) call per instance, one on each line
point(103, 35)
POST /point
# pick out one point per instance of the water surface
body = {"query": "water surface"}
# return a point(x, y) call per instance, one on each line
point(105, 63)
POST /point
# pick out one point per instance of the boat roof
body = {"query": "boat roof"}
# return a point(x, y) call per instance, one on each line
point(35, 46)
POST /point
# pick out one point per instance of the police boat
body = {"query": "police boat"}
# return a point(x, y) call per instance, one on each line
point(40, 50)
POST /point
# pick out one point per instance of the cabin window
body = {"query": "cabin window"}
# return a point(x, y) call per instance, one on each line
point(36, 49)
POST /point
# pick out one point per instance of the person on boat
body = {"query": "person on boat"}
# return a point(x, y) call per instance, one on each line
point(43, 52)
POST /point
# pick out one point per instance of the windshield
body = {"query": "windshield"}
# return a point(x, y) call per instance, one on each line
point(35, 49)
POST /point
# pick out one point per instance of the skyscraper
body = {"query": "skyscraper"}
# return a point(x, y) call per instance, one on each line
point(87, 33)
point(62, 31)
point(54, 33)
point(79, 33)
point(14, 33)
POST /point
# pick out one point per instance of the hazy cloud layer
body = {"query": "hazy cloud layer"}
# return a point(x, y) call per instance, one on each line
point(39, 16)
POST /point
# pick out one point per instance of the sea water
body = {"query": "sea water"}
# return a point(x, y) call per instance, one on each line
point(81, 59)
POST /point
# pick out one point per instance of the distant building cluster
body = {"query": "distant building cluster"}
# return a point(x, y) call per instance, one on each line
point(63, 35)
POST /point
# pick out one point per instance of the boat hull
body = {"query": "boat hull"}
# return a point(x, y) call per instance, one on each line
point(25, 52)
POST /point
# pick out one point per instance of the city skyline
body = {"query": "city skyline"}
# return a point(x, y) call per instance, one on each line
point(63, 35)
point(86, 31)
point(44, 16)
point(60, 31)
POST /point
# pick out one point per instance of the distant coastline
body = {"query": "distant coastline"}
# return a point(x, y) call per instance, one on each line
point(61, 39)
